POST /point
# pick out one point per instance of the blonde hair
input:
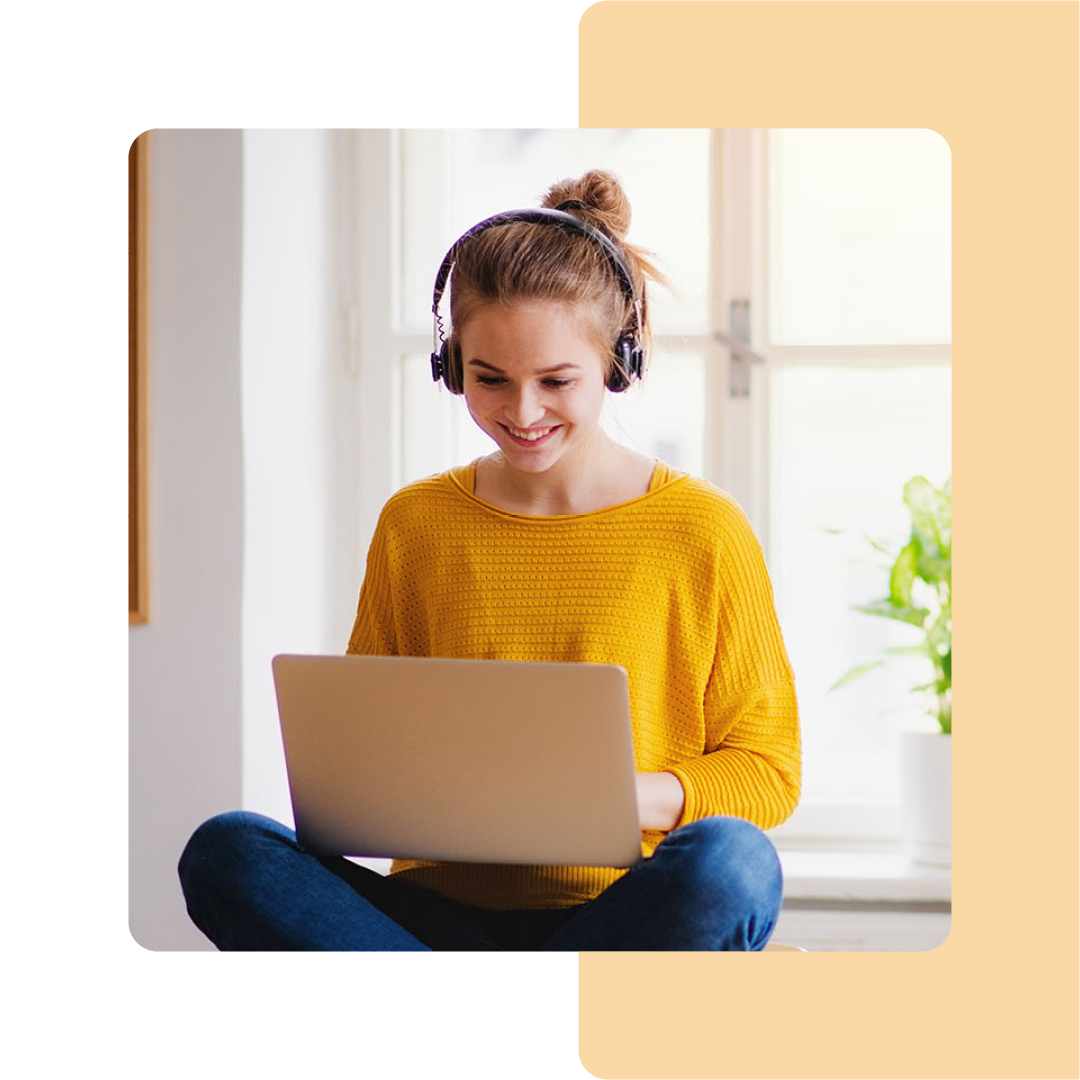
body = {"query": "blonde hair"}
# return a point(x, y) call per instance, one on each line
point(526, 261)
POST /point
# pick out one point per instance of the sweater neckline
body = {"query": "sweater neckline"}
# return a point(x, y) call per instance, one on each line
point(463, 478)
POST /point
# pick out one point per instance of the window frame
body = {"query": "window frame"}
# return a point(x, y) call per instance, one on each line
point(745, 191)
point(738, 269)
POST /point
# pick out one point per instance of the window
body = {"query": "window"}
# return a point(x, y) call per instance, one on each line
point(448, 180)
point(824, 255)
point(853, 238)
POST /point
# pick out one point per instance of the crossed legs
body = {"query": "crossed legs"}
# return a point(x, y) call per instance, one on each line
point(714, 884)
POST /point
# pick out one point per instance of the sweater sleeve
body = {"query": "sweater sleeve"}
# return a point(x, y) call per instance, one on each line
point(751, 765)
point(374, 632)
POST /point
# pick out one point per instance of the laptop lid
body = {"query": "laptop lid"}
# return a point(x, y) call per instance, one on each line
point(460, 760)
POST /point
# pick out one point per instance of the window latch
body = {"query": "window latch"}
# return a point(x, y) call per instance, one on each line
point(738, 342)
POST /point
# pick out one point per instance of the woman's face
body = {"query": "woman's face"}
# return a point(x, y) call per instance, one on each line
point(533, 381)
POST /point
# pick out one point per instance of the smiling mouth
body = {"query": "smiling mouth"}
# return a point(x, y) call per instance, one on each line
point(532, 436)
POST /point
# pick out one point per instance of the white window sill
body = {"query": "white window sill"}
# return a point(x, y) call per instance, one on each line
point(861, 876)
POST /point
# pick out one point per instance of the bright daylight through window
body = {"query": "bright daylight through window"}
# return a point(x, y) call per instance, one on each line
point(835, 245)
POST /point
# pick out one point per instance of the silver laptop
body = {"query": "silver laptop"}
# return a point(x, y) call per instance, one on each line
point(460, 760)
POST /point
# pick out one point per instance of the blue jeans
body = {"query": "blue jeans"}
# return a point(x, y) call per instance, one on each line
point(713, 884)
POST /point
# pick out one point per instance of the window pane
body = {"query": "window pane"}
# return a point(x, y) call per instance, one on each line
point(453, 179)
point(859, 229)
point(437, 431)
point(843, 443)
point(664, 415)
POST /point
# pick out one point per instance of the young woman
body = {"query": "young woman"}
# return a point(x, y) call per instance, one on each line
point(561, 545)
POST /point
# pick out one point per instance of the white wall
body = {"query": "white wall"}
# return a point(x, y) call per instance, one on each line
point(184, 675)
point(302, 570)
point(254, 478)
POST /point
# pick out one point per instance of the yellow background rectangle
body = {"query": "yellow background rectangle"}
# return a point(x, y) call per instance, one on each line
point(999, 82)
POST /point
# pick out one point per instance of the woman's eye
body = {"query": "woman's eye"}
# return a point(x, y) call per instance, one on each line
point(497, 380)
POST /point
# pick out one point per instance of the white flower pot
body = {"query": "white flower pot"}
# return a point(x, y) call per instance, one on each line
point(926, 796)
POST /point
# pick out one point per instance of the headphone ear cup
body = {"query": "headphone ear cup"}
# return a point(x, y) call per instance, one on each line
point(441, 365)
point(438, 364)
point(622, 370)
point(442, 369)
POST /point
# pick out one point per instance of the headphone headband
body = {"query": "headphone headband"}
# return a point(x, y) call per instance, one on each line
point(627, 350)
point(537, 216)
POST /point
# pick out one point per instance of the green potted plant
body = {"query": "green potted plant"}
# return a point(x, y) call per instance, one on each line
point(920, 594)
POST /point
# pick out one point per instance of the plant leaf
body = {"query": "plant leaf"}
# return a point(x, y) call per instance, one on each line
point(939, 637)
point(906, 650)
point(855, 673)
point(902, 575)
point(887, 609)
point(934, 568)
point(931, 518)
point(881, 546)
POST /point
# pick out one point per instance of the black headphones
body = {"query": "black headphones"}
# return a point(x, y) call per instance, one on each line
point(628, 352)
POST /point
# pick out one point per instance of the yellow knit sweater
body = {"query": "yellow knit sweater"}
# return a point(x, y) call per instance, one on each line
point(672, 585)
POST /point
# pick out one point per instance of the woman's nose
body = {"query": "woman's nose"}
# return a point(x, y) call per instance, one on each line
point(525, 407)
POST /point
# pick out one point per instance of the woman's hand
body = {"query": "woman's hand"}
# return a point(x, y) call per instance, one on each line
point(660, 798)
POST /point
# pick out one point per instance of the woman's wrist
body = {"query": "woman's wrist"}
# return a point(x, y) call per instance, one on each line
point(661, 800)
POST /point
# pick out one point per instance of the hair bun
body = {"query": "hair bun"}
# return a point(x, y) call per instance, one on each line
point(597, 197)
